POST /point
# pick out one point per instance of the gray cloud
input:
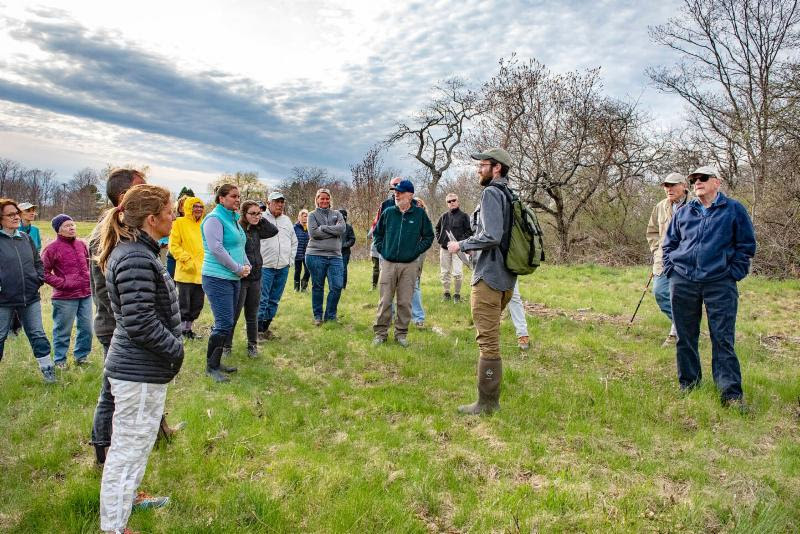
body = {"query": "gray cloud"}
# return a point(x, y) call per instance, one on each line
point(99, 76)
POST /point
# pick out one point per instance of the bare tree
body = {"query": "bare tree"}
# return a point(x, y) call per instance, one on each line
point(369, 178)
point(732, 53)
point(250, 187)
point(83, 199)
point(566, 139)
point(436, 130)
point(301, 185)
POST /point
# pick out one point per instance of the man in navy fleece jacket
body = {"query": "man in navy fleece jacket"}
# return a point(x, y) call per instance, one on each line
point(707, 249)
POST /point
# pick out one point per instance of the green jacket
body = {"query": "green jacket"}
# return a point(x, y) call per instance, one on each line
point(402, 237)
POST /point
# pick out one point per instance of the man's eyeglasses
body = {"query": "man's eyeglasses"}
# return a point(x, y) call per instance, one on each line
point(12, 214)
point(701, 177)
point(452, 200)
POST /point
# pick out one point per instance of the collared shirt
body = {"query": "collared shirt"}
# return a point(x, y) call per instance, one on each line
point(15, 233)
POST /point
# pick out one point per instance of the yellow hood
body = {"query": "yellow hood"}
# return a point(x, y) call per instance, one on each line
point(188, 202)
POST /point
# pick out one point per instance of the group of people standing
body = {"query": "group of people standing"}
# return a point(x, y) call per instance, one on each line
point(238, 256)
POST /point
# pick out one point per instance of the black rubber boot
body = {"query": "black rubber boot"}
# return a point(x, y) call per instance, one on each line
point(213, 357)
point(490, 376)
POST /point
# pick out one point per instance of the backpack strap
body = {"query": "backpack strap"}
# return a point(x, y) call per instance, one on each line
point(505, 241)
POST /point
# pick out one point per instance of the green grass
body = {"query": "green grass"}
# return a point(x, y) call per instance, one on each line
point(325, 433)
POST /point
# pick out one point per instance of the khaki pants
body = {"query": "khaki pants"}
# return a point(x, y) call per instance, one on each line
point(450, 264)
point(487, 306)
point(399, 279)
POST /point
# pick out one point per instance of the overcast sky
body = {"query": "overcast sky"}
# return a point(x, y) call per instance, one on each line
point(194, 89)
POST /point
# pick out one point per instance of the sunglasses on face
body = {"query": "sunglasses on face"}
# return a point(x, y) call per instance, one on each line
point(701, 178)
point(452, 200)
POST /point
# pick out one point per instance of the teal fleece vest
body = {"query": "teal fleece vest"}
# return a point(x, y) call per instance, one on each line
point(233, 239)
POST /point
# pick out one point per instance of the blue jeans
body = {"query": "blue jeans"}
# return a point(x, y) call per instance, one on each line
point(661, 292)
point(31, 318)
point(721, 299)
point(321, 267)
point(417, 311)
point(65, 312)
point(223, 295)
point(272, 283)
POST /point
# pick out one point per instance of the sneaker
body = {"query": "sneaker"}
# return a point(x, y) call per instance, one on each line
point(446, 296)
point(378, 340)
point(143, 501)
point(252, 350)
point(317, 322)
point(524, 342)
point(456, 298)
point(81, 362)
point(402, 341)
point(49, 374)
point(671, 340)
point(419, 324)
point(61, 365)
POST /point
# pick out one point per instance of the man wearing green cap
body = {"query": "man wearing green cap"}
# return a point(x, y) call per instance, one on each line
point(492, 282)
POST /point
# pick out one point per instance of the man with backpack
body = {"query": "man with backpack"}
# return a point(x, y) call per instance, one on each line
point(492, 282)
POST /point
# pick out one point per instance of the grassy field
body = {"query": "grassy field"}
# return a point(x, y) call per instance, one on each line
point(325, 433)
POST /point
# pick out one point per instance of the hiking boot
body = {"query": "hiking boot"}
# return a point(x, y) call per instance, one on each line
point(252, 350)
point(191, 335)
point(226, 369)
point(100, 453)
point(523, 342)
point(669, 341)
point(217, 375)
point(61, 365)
point(419, 324)
point(49, 374)
point(456, 298)
point(317, 322)
point(304, 286)
point(80, 362)
point(490, 376)
point(446, 297)
point(267, 335)
point(378, 340)
point(143, 501)
point(402, 341)
point(738, 404)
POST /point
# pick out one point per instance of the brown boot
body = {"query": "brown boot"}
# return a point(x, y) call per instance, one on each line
point(166, 432)
point(490, 376)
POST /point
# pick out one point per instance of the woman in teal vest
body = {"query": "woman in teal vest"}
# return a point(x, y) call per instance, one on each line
point(224, 264)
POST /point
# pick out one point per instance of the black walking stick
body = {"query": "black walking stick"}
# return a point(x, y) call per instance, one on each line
point(640, 302)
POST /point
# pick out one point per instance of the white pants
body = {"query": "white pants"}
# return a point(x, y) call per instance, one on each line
point(517, 312)
point(450, 264)
point(138, 407)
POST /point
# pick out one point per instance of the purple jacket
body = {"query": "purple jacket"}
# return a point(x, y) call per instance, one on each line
point(66, 268)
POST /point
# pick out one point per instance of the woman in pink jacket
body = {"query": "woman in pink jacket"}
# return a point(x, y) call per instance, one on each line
point(66, 268)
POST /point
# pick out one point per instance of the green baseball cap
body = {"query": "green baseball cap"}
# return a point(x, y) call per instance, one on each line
point(497, 154)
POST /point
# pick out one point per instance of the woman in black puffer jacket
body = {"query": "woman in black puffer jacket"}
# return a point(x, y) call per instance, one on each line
point(255, 228)
point(146, 350)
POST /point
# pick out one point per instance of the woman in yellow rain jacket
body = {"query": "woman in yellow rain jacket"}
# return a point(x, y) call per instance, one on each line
point(186, 245)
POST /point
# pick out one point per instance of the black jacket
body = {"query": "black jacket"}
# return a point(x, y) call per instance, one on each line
point(104, 323)
point(348, 239)
point(457, 222)
point(252, 247)
point(147, 345)
point(21, 271)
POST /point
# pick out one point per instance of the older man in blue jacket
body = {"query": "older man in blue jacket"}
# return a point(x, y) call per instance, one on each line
point(707, 250)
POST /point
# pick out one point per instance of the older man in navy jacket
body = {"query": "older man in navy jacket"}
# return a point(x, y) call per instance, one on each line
point(707, 249)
